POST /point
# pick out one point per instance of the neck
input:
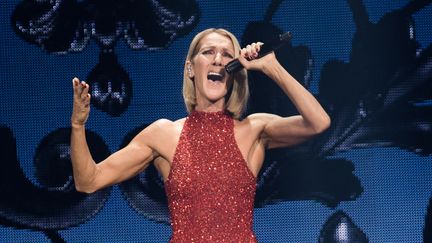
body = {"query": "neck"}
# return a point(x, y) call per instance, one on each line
point(210, 106)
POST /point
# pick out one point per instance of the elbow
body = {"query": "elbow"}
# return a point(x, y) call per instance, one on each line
point(326, 123)
point(86, 183)
point(322, 125)
point(84, 189)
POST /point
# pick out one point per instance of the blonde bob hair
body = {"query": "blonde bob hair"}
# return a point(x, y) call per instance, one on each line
point(238, 94)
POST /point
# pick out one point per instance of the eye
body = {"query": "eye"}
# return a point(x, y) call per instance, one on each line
point(227, 54)
point(208, 52)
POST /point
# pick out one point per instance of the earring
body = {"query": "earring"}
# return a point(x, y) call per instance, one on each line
point(189, 69)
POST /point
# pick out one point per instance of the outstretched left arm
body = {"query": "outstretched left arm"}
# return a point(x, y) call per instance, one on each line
point(286, 131)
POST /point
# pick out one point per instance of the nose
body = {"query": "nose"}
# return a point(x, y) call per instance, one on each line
point(218, 59)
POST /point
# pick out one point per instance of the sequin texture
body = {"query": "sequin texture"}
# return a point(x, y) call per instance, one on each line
point(210, 189)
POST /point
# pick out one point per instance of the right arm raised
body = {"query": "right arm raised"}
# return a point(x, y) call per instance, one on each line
point(121, 165)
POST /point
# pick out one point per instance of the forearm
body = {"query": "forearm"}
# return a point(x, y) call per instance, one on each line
point(83, 165)
point(313, 114)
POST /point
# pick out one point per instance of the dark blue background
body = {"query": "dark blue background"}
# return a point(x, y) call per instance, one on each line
point(36, 98)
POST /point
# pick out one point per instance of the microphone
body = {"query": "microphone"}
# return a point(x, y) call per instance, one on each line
point(235, 65)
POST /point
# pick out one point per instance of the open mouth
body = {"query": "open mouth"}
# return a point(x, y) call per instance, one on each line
point(214, 76)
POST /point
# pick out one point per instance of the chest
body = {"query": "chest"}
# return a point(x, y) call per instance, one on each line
point(239, 139)
point(209, 162)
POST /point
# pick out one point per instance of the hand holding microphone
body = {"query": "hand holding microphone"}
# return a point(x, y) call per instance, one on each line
point(235, 65)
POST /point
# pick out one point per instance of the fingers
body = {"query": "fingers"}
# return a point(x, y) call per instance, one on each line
point(86, 100)
point(81, 88)
point(81, 102)
point(251, 51)
point(81, 93)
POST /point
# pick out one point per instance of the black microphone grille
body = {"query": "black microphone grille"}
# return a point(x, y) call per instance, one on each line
point(285, 36)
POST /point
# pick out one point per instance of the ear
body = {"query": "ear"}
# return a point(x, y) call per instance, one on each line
point(189, 69)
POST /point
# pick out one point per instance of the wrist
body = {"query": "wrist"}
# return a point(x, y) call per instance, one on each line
point(77, 125)
point(273, 70)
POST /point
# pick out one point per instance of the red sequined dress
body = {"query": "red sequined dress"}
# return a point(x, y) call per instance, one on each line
point(210, 189)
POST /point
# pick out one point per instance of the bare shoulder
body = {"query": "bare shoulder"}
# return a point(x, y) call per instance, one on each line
point(165, 126)
point(161, 129)
point(164, 123)
point(261, 119)
point(254, 124)
point(161, 136)
point(258, 123)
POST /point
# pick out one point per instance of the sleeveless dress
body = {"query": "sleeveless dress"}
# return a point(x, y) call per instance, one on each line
point(210, 189)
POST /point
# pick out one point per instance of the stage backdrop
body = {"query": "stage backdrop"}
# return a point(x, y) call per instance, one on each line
point(367, 179)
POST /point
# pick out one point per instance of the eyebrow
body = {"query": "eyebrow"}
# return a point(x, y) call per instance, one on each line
point(215, 47)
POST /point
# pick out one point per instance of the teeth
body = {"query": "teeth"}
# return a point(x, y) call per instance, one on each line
point(213, 73)
point(214, 76)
